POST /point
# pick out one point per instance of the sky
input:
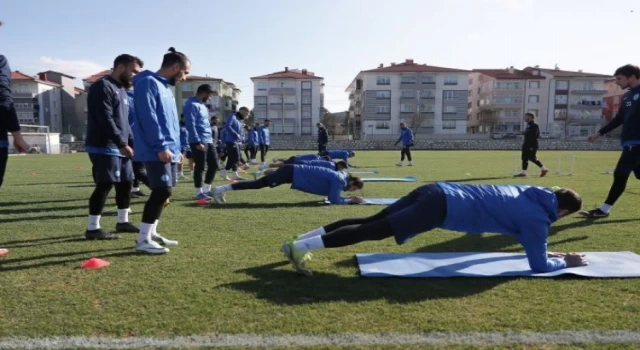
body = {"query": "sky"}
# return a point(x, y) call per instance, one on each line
point(335, 39)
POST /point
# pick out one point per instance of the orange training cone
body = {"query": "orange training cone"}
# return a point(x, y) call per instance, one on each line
point(94, 263)
point(202, 201)
point(4, 252)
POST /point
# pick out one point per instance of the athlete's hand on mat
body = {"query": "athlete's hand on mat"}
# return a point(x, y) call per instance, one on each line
point(165, 156)
point(594, 137)
point(555, 255)
point(575, 259)
point(200, 147)
point(355, 200)
point(126, 151)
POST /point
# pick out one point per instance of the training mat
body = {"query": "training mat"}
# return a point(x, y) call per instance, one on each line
point(364, 172)
point(390, 179)
point(470, 264)
point(374, 201)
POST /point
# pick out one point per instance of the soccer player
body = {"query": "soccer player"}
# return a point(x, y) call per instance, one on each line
point(340, 165)
point(299, 157)
point(233, 135)
point(525, 212)
point(309, 179)
point(323, 138)
point(253, 144)
point(264, 140)
point(185, 150)
point(8, 122)
point(530, 146)
point(107, 143)
point(157, 134)
point(342, 154)
point(627, 77)
point(200, 140)
point(406, 136)
point(139, 172)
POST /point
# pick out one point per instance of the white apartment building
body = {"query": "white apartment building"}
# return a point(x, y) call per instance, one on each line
point(429, 99)
point(224, 101)
point(37, 101)
point(291, 99)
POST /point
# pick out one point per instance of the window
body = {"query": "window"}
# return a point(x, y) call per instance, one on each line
point(449, 95)
point(408, 79)
point(587, 85)
point(450, 109)
point(533, 98)
point(383, 125)
point(407, 94)
point(469, 105)
point(562, 85)
point(451, 80)
point(306, 100)
point(383, 109)
point(383, 80)
point(469, 93)
point(508, 100)
point(470, 81)
point(261, 100)
point(534, 111)
point(305, 114)
point(534, 85)
point(448, 124)
point(427, 94)
point(187, 87)
point(427, 108)
point(561, 99)
point(560, 113)
point(406, 108)
point(262, 85)
point(511, 113)
point(427, 79)
point(382, 95)
point(306, 85)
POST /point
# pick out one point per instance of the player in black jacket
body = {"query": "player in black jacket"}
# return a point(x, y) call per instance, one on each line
point(530, 146)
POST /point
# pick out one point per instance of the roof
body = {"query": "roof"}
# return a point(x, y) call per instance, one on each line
point(567, 73)
point(78, 90)
point(505, 74)
point(287, 74)
point(52, 71)
point(17, 75)
point(201, 78)
point(97, 76)
point(408, 66)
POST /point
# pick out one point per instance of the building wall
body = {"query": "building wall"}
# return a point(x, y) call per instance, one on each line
point(81, 113)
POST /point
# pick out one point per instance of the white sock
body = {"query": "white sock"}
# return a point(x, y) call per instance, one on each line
point(309, 244)
point(605, 207)
point(410, 162)
point(523, 172)
point(317, 232)
point(94, 222)
point(206, 188)
point(145, 232)
point(544, 168)
point(198, 190)
point(181, 173)
point(155, 233)
point(135, 189)
point(235, 175)
point(123, 215)
point(401, 162)
point(223, 189)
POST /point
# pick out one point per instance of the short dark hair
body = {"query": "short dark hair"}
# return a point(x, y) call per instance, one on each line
point(267, 120)
point(126, 59)
point(356, 181)
point(204, 88)
point(531, 115)
point(342, 163)
point(628, 70)
point(244, 109)
point(172, 57)
point(568, 199)
point(325, 157)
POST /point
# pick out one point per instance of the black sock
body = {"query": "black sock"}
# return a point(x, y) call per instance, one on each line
point(155, 204)
point(99, 198)
point(123, 195)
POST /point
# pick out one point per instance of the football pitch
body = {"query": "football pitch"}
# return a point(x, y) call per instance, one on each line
point(228, 285)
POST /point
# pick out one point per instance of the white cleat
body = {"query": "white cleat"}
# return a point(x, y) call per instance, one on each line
point(219, 198)
point(164, 241)
point(151, 247)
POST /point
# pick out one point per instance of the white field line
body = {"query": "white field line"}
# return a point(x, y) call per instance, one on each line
point(342, 339)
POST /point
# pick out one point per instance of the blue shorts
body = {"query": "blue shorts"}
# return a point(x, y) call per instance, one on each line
point(110, 169)
point(422, 210)
point(161, 175)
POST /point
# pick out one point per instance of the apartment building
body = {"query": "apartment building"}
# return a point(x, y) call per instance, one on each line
point(292, 99)
point(430, 99)
point(612, 99)
point(72, 122)
point(37, 102)
point(498, 99)
point(574, 101)
point(223, 103)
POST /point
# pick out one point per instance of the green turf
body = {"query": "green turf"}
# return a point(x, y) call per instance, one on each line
point(228, 275)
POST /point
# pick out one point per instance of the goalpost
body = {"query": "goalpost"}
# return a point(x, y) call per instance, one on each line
point(37, 135)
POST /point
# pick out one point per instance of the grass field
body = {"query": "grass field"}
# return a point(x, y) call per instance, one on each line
point(228, 276)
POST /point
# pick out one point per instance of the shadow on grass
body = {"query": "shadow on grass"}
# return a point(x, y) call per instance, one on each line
point(257, 205)
point(477, 179)
point(285, 287)
point(40, 241)
point(119, 252)
point(43, 218)
point(40, 210)
point(36, 202)
point(55, 183)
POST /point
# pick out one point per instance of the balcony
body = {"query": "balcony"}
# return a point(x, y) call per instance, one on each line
point(282, 91)
point(24, 94)
point(587, 105)
point(279, 106)
point(492, 106)
point(454, 116)
point(593, 118)
point(588, 92)
point(405, 97)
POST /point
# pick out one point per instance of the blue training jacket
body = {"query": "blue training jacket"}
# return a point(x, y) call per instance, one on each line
point(525, 212)
point(301, 157)
point(233, 130)
point(132, 111)
point(253, 137)
point(340, 154)
point(318, 163)
point(406, 136)
point(264, 138)
point(320, 181)
point(196, 117)
point(157, 123)
point(184, 138)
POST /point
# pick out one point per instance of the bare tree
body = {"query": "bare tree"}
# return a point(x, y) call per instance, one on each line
point(333, 123)
point(489, 118)
point(415, 121)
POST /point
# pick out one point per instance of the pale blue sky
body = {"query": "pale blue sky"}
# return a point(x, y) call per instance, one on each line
point(235, 40)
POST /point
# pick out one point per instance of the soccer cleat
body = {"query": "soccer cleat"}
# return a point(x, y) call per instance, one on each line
point(246, 167)
point(399, 164)
point(151, 247)
point(219, 198)
point(410, 164)
point(258, 174)
point(99, 235)
point(594, 213)
point(520, 175)
point(297, 258)
point(138, 194)
point(544, 172)
point(204, 196)
point(164, 241)
point(126, 227)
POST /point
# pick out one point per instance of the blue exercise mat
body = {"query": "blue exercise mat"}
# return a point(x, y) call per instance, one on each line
point(468, 264)
point(363, 172)
point(390, 179)
point(374, 201)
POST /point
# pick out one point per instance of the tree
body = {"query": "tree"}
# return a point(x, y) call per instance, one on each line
point(415, 121)
point(489, 118)
point(333, 122)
